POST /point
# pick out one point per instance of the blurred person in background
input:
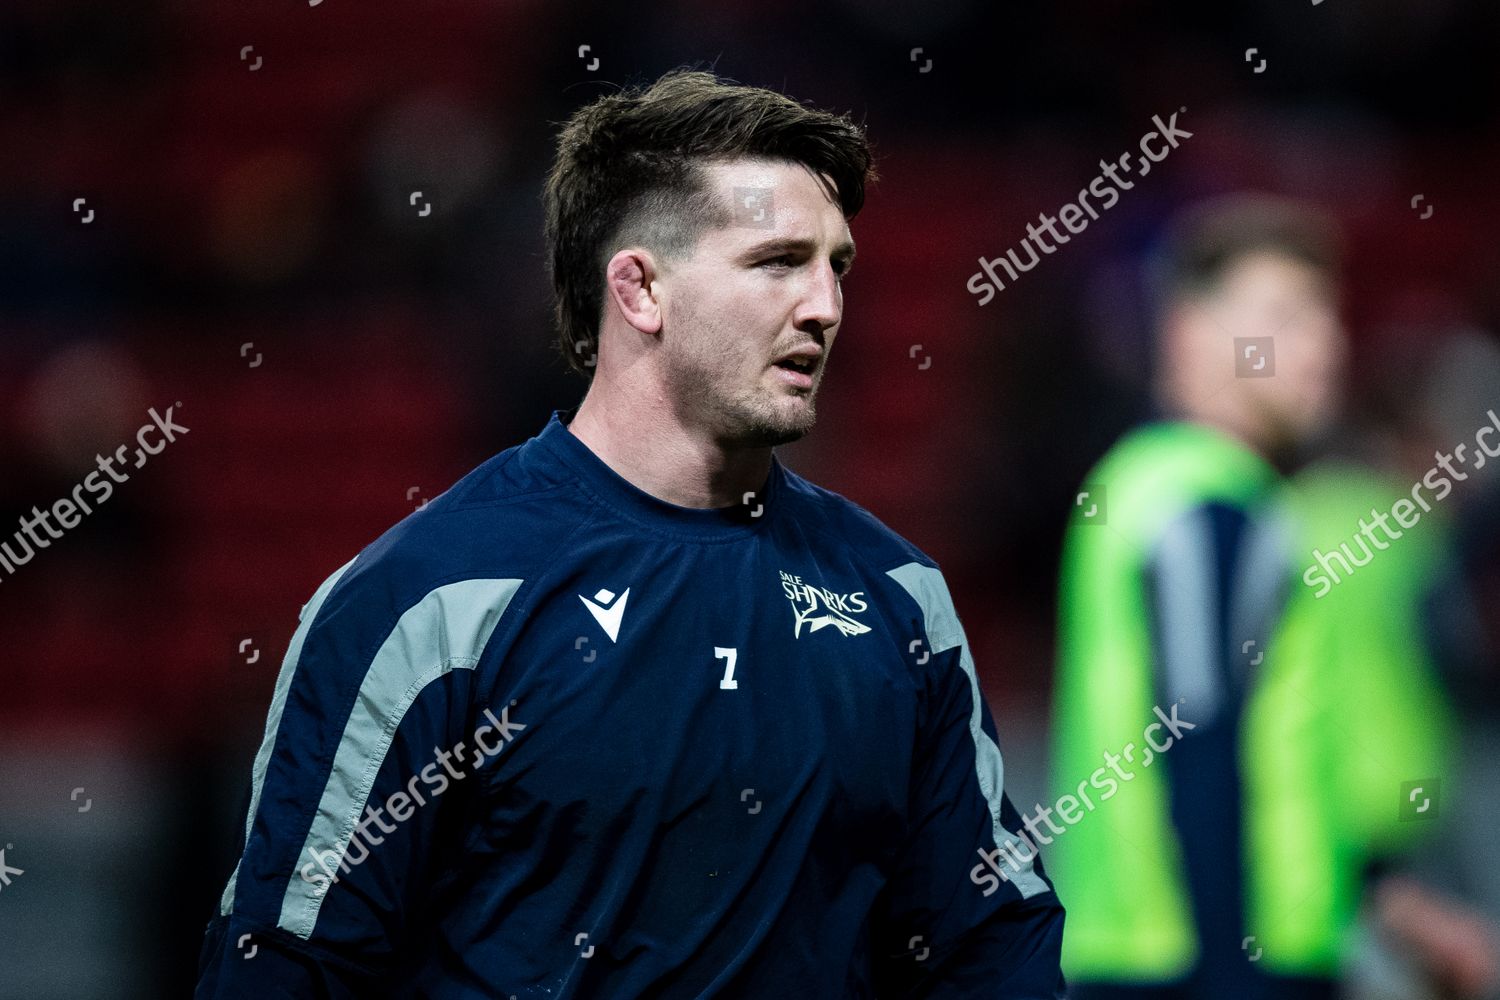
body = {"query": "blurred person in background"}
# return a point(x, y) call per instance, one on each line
point(1430, 397)
point(1236, 865)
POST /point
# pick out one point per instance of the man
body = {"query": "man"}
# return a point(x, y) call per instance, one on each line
point(633, 710)
point(1233, 859)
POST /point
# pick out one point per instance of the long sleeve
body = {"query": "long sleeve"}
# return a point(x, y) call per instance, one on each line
point(970, 910)
point(370, 742)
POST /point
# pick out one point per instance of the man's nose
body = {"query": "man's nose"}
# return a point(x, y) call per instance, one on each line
point(823, 304)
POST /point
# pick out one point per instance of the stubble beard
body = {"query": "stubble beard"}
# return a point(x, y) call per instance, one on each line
point(750, 418)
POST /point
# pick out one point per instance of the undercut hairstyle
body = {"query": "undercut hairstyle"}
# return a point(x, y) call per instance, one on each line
point(1207, 239)
point(629, 172)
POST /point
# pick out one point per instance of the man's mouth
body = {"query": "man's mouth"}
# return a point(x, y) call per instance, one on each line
point(803, 358)
point(800, 364)
point(797, 372)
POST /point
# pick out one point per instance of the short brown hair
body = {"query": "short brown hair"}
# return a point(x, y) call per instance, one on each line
point(1208, 238)
point(629, 172)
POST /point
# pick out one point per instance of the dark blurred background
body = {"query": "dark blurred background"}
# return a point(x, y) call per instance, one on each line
point(315, 230)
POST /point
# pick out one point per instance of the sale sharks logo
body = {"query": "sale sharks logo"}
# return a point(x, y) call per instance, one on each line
point(818, 608)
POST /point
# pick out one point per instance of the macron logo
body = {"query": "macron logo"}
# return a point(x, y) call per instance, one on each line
point(6, 871)
point(607, 614)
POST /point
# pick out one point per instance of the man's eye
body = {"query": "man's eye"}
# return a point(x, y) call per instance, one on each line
point(841, 268)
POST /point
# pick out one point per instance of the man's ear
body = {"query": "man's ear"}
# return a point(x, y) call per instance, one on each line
point(632, 281)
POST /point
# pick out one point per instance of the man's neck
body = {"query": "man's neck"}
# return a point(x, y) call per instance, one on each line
point(1209, 410)
point(1284, 452)
point(653, 451)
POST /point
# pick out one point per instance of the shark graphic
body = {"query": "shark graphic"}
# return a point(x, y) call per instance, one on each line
point(842, 622)
point(823, 607)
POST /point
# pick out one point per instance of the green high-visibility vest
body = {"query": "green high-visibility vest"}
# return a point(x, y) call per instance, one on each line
point(1344, 710)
